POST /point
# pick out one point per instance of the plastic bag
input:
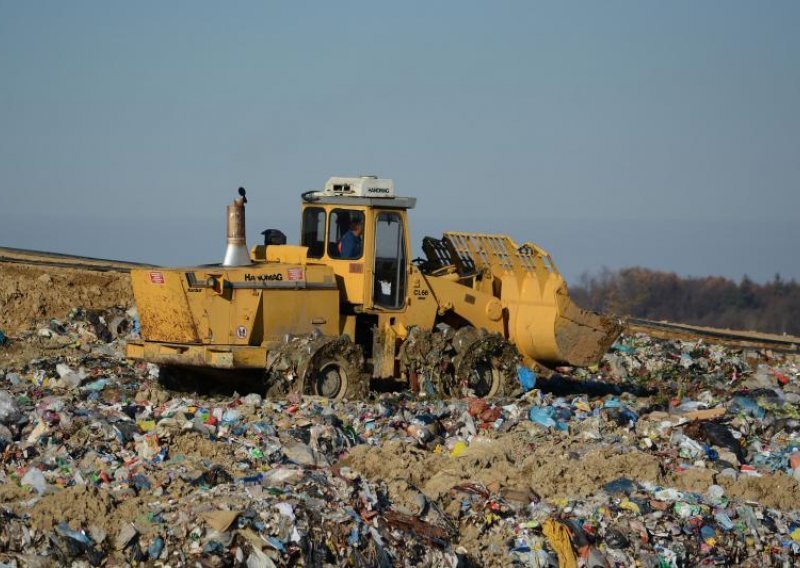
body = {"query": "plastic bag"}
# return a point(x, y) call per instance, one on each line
point(35, 479)
point(9, 411)
point(543, 416)
point(526, 377)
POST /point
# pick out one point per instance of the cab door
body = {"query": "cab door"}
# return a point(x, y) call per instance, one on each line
point(390, 260)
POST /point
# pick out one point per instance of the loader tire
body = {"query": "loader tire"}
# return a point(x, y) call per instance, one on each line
point(336, 379)
point(487, 367)
point(448, 363)
point(426, 359)
point(331, 367)
point(335, 371)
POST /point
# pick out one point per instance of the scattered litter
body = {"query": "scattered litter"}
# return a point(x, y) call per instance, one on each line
point(655, 457)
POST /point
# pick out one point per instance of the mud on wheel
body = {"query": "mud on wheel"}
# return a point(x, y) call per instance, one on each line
point(486, 364)
point(468, 362)
point(331, 367)
point(335, 371)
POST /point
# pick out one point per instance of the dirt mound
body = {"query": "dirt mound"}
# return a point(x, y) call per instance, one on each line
point(80, 505)
point(31, 294)
point(776, 490)
point(550, 470)
point(199, 451)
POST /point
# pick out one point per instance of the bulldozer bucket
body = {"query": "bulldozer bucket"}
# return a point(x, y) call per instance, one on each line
point(542, 320)
point(582, 337)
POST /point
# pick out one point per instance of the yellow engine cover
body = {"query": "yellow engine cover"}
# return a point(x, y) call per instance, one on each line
point(243, 305)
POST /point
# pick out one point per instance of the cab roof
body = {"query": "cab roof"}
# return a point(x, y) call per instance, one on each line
point(376, 202)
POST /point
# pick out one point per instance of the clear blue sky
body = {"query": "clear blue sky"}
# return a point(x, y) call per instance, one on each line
point(662, 134)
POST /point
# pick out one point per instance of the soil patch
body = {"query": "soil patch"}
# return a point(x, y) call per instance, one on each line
point(551, 470)
point(31, 294)
point(80, 506)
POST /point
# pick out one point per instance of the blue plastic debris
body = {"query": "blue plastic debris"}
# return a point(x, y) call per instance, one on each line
point(711, 453)
point(354, 537)
point(543, 416)
point(96, 386)
point(747, 405)
point(707, 532)
point(155, 548)
point(276, 544)
point(622, 348)
point(526, 377)
point(724, 521)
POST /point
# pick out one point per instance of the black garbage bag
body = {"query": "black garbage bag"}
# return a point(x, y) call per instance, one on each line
point(720, 435)
point(216, 475)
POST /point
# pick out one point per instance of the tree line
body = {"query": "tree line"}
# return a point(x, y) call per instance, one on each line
point(711, 300)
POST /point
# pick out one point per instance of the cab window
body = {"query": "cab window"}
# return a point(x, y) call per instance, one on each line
point(389, 286)
point(346, 234)
point(313, 234)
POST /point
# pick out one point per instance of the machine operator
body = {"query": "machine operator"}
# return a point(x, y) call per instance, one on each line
point(352, 242)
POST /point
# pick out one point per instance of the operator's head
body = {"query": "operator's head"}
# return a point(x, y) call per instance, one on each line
point(357, 227)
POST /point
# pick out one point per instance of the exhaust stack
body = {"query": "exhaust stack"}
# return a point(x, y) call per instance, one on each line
point(236, 254)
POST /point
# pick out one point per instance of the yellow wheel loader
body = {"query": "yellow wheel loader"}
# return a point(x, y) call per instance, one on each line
point(348, 305)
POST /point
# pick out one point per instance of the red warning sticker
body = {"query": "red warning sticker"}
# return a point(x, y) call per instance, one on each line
point(156, 277)
point(295, 274)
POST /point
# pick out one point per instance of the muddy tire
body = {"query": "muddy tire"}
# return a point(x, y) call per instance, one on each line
point(467, 362)
point(426, 360)
point(335, 371)
point(331, 367)
point(337, 379)
point(485, 379)
point(487, 367)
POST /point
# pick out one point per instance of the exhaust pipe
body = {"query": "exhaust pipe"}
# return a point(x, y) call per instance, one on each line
point(236, 254)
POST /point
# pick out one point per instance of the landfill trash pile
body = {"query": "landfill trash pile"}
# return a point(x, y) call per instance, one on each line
point(669, 453)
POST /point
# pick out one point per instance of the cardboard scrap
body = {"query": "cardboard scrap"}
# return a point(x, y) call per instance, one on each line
point(705, 414)
point(220, 520)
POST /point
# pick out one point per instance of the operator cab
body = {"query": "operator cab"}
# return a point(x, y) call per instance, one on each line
point(358, 226)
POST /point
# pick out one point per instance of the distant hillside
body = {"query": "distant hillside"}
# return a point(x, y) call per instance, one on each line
point(712, 300)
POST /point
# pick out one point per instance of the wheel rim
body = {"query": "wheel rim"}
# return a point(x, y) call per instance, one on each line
point(484, 379)
point(331, 381)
